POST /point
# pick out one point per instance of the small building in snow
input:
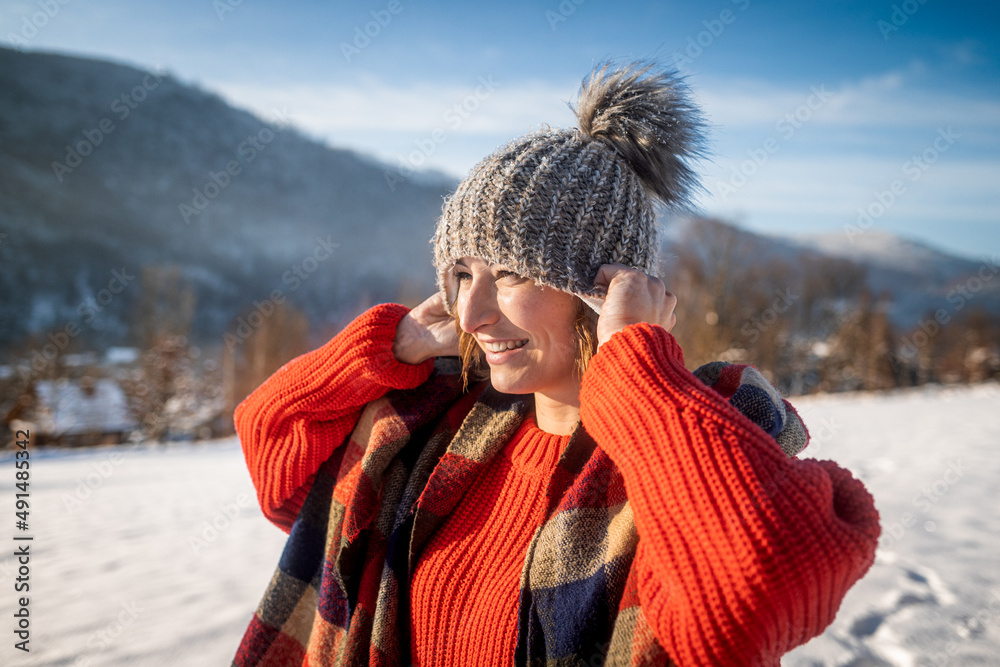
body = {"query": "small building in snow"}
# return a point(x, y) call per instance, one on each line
point(87, 411)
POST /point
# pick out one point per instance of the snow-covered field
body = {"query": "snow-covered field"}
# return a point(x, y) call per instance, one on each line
point(157, 555)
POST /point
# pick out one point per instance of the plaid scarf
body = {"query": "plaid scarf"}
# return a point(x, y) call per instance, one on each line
point(340, 594)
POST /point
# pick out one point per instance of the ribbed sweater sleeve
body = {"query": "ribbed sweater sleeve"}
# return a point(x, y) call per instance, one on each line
point(744, 553)
point(296, 419)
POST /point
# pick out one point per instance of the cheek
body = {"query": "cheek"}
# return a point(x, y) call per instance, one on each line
point(516, 309)
point(564, 343)
point(547, 316)
point(552, 324)
point(527, 311)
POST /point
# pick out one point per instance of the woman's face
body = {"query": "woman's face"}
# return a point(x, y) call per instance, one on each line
point(532, 324)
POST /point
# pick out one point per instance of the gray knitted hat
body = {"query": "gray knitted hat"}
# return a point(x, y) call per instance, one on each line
point(555, 205)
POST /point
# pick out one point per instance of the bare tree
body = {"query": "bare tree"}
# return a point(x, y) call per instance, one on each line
point(272, 339)
point(166, 305)
point(161, 391)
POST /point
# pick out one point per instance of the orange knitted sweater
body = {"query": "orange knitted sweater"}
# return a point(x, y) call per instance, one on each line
point(740, 547)
point(463, 601)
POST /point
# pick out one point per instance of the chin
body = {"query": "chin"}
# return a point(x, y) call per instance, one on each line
point(505, 384)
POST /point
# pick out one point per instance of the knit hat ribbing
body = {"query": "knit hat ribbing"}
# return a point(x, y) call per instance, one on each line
point(555, 205)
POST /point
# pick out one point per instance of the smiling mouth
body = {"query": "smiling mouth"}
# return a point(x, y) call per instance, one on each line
point(504, 346)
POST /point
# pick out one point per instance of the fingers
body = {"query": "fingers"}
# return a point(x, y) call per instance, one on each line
point(671, 300)
point(433, 306)
point(436, 301)
point(633, 281)
point(633, 296)
point(609, 272)
point(606, 273)
point(671, 321)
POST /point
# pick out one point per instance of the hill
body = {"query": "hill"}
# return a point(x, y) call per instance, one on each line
point(108, 169)
point(125, 190)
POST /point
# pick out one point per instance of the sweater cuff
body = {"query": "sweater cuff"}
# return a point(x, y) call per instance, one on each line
point(381, 322)
point(618, 382)
point(295, 420)
point(627, 364)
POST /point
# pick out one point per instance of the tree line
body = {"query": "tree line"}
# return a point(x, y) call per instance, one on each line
point(811, 323)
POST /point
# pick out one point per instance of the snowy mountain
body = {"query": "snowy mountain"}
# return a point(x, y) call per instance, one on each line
point(889, 252)
point(107, 169)
point(919, 279)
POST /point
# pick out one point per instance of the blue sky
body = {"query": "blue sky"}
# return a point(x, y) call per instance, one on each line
point(818, 110)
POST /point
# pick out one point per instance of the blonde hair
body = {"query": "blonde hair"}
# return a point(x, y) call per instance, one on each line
point(475, 368)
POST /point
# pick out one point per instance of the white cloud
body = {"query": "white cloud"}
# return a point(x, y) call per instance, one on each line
point(847, 151)
point(333, 110)
point(837, 187)
point(388, 120)
point(385, 117)
point(889, 100)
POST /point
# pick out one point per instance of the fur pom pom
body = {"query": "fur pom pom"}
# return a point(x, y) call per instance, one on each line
point(647, 117)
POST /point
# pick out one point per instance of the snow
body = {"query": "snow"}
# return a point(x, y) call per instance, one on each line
point(875, 246)
point(157, 554)
point(929, 456)
point(121, 355)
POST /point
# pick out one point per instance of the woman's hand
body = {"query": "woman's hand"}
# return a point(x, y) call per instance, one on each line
point(632, 296)
point(426, 331)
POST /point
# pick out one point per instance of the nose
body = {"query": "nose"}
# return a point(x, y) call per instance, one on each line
point(477, 305)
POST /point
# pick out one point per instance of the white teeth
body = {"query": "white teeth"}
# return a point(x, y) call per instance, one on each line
point(506, 345)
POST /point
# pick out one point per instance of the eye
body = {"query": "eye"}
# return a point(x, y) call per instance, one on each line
point(502, 273)
point(461, 275)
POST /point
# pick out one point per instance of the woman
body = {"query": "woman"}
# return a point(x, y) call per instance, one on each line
point(569, 492)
